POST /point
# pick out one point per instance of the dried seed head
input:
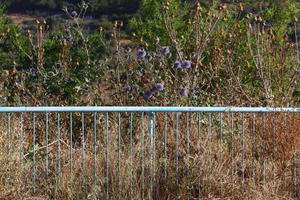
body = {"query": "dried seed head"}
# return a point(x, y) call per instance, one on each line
point(241, 7)
point(115, 24)
point(295, 19)
point(197, 6)
point(157, 40)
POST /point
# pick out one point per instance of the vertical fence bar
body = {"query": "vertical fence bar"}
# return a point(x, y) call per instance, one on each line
point(142, 156)
point(253, 145)
point(177, 153)
point(59, 146)
point(119, 154)
point(243, 149)
point(199, 115)
point(8, 179)
point(47, 147)
point(71, 142)
point(209, 146)
point(33, 149)
point(221, 149)
point(188, 151)
point(165, 146)
point(106, 157)
point(21, 139)
point(154, 151)
point(95, 155)
point(264, 148)
point(274, 150)
point(231, 142)
point(83, 152)
point(71, 152)
point(151, 131)
point(131, 154)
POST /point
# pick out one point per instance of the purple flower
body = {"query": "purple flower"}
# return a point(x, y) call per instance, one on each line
point(141, 53)
point(177, 64)
point(147, 94)
point(186, 64)
point(129, 88)
point(159, 86)
point(69, 35)
point(183, 91)
point(140, 73)
point(74, 14)
point(165, 51)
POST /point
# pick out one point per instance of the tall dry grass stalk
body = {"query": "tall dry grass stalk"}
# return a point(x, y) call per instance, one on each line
point(200, 156)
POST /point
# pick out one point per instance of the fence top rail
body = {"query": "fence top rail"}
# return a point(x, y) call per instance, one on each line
point(147, 109)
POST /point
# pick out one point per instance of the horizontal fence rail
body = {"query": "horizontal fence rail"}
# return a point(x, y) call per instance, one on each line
point(149, 152)
point(147, 109)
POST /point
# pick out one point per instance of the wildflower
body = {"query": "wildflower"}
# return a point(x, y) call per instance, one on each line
point(129, 88)
point(69, 35)
point(74, 14)
point(186, 64)
point(177, 64)
point(183, 91)
point(140, 73)
point(141, 53)
point(159, 86)
point(165, 51)
point(147, 94)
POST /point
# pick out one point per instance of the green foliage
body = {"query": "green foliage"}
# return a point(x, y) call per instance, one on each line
point(153, 16)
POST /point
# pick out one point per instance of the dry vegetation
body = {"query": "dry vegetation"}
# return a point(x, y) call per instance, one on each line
point(211, 164)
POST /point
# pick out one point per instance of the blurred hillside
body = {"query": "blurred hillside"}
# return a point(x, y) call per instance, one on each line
point(96, 7)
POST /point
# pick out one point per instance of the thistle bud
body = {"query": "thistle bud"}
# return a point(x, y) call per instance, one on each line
point(295, 19)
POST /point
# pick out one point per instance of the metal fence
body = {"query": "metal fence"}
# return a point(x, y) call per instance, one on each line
point(148, 152)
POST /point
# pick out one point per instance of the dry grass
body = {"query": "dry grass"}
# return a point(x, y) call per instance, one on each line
point(259, 164)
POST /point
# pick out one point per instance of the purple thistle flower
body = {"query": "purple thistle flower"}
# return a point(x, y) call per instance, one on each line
point(69, 35)
point(177, 64)
point(165, 51)
point(186, 64)
point(141, 53)
point(183, 91)
point(159, 86)
point(74, 14)
point(129, 88)
point(147, 94)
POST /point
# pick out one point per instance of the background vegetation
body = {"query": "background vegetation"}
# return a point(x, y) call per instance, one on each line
point(188, 53)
